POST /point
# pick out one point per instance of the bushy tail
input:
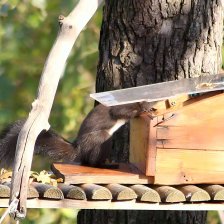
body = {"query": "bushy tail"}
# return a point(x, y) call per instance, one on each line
point(48, 143)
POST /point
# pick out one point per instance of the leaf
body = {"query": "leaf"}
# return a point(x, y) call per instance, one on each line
point(44, 177)
point(53, 182)
point(60, 180)
point(5, 174)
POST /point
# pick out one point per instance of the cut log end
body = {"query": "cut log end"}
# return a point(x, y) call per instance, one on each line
point(216, 192)
point(96, 192)
point(73, 192)
point(146, 194)
point(4, 191)
point(121, 192)
point(169, 194)
point(194, 193)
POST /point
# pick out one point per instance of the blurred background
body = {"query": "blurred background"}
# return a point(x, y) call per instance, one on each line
point(28, 29)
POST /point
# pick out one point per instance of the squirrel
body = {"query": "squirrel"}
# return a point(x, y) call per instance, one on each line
point(91, 147)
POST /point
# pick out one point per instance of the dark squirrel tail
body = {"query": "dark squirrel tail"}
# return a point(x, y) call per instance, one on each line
point(48, 143)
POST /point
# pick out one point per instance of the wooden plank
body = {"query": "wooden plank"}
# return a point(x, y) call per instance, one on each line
point(139, 140)
point(169, 194)
point(215, 191)
point(158, 91)
point(145, 193)
point(198, 112)
point(143, 144)
point(184, 130)
point(120, 192)
point(192, 137)
point(183, 166)
point(76, 174)
point(96, 192)
point(48, 191)
point(194, 193)
point(151, 149)
point(173, 104)
point(73, 192)
point(121, 205)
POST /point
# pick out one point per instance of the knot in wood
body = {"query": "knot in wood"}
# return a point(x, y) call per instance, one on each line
point(60, 18)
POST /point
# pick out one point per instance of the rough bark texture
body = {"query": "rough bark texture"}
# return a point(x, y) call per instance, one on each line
point(146, 41)
point(140, 217)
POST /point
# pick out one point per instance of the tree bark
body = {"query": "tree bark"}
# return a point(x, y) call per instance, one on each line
point(140, 217)
point(146, 41)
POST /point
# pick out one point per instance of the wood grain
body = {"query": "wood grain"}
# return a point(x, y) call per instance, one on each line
point(139, 140)
point(120, 192)
point(184, 166)
point(145, 193)
point(48, 191)
point(72, 191)
point(215, 191)
point(198, 112)
point(96, 192)
point(76, 174)
point(207, 136)
point(143, 144)
point(193, 193)
point(169, 194)
point(151, 149)
point(4, 191)
point(32, 191)
point(121, 205)
point(174, 104)
point(196, 126)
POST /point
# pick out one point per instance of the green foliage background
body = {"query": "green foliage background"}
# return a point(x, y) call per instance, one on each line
point(28, 29)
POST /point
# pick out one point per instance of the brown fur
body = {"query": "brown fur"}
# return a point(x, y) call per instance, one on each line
point(93, 141)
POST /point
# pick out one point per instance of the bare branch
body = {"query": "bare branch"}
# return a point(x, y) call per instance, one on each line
point(70, 27)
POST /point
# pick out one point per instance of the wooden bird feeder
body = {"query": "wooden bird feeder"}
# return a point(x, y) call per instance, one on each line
point(182, 144)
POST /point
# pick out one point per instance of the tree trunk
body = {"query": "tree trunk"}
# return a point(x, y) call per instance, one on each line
point(146, 41)
point(140, 217)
